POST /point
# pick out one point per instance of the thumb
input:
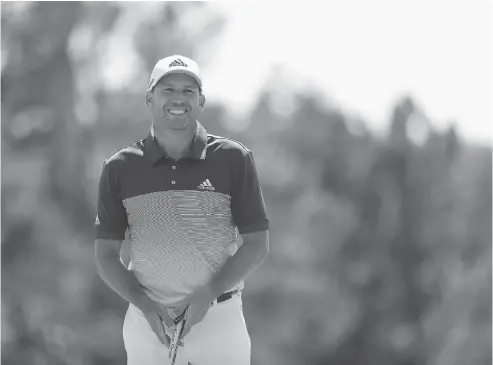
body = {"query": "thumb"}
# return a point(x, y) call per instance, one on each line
point(165, 317)
point(185, 330)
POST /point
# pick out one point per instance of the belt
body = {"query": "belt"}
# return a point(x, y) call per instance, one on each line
point(225, 296)
point(222, 298)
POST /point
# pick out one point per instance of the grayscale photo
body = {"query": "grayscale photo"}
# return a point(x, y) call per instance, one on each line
point(246, 182)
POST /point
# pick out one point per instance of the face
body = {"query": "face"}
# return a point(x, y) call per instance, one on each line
point(175, 102)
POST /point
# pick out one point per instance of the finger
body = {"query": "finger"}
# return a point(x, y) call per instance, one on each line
point(201, 316)
point(161, 334)
point(192, 319)
point(196, 317)
point(185, 330)
point(166, 318)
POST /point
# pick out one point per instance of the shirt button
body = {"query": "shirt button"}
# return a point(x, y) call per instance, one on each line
point(173, 167)
point(173, 182)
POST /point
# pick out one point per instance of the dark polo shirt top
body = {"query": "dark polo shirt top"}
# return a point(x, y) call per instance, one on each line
point(182, 215)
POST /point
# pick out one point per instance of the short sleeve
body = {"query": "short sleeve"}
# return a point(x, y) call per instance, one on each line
point(111, 219)
point(247, 201)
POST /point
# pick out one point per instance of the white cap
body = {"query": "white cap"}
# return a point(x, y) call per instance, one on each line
point(172, 65)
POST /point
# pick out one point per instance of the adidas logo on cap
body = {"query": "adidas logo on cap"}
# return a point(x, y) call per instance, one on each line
point(177, 62)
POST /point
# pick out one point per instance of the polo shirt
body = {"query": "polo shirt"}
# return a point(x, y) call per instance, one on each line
point(182, 216)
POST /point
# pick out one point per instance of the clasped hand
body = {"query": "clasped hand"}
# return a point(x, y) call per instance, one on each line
point(157, 316)
point(199, 303)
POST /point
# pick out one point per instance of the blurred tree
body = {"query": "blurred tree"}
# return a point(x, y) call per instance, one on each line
point(390, 296)
point(178, 28)
point(380, 248)
point(39, 73)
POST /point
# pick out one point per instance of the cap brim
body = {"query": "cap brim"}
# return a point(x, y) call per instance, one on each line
point(177, 71)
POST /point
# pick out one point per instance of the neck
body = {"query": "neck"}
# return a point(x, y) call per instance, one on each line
point(175, 143)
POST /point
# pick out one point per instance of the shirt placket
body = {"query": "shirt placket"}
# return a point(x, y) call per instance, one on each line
point(174, 168)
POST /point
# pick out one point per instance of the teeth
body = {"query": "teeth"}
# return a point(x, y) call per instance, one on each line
point(177, 111)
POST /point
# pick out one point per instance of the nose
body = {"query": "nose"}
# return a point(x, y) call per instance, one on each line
point(178, 101)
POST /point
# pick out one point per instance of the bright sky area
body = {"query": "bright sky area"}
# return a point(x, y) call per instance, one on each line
point(362, 55)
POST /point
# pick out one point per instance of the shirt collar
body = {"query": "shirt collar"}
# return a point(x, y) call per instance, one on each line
point(197, 151)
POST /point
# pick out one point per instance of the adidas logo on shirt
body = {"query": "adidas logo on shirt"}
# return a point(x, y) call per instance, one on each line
point(177, 62)
point(206, 185)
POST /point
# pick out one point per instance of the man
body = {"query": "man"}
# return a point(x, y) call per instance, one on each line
point(182, 194)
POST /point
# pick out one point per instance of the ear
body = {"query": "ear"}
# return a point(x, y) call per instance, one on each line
point(149, 97)
point(202, 101)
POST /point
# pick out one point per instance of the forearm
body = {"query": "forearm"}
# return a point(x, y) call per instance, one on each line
point(122, 281)
point(248, 257)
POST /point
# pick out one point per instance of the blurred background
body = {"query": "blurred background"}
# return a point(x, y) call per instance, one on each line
point(370, 124)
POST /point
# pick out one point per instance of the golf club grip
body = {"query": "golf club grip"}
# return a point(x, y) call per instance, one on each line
point(173, 345)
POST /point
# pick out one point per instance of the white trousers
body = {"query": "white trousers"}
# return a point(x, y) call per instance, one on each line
point(221, 338)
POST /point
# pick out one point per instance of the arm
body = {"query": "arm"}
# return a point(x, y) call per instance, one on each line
point(249, 256)
point(111, 224)
point(115, 274)
point(249, 214)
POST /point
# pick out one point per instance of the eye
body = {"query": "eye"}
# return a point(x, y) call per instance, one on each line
point(190, 91)
point(166, 89)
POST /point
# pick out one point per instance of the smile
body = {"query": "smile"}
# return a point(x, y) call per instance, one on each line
point(177, 111)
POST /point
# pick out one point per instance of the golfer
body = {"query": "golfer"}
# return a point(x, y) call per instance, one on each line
point(182, 194)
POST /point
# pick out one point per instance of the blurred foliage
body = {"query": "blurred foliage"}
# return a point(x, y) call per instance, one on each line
point(380, 247)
